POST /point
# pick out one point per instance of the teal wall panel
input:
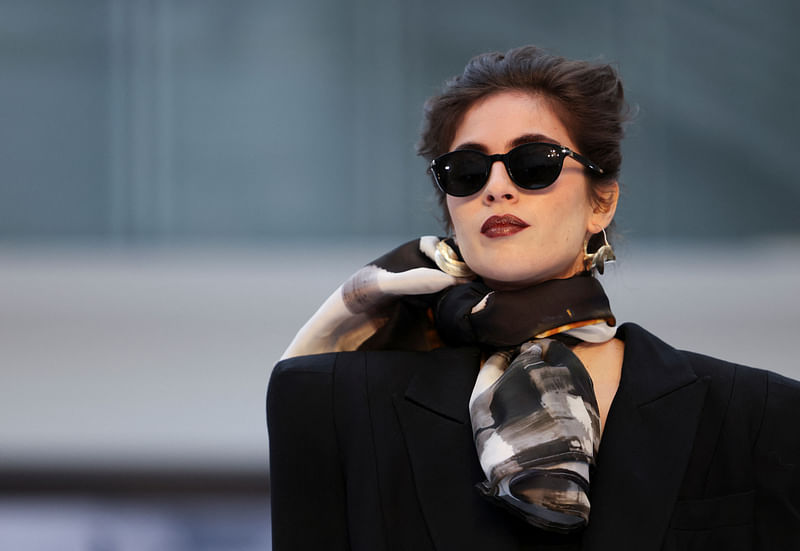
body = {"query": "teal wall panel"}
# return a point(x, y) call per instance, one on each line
point(160, 120)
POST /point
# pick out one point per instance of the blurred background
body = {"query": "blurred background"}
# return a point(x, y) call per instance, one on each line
point(184, 181)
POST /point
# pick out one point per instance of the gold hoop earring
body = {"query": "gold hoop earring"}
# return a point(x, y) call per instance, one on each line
point(447, 260)
point(597, 259)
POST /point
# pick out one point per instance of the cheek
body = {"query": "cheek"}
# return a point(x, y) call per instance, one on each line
point(458, 209)
point(574, 210)
point(449, 206)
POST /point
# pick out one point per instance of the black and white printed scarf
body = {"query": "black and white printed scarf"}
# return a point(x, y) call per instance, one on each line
point(534, 413)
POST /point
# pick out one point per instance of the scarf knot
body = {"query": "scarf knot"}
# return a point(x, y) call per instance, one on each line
point(533, 410)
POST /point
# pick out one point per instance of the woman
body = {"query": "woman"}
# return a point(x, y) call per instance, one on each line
point(457, 394)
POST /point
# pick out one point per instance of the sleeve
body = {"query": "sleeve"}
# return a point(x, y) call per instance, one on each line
point(777, 456)
point(308, 504)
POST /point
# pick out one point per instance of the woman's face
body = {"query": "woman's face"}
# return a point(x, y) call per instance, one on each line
point(546, 239)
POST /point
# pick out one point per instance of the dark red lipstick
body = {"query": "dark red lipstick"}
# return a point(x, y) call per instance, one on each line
point(500, 226)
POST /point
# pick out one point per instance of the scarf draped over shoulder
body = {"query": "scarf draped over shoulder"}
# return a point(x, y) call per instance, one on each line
point(533, 409)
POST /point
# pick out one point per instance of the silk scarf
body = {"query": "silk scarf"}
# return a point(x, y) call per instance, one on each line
point(533, 410)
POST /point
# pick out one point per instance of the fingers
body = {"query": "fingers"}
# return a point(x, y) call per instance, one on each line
point(427, 244)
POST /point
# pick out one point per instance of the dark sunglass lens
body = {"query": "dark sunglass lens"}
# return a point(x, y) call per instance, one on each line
point(461, 173)
point(535, 166)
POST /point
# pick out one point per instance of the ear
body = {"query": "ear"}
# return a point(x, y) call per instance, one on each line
point(603, 212)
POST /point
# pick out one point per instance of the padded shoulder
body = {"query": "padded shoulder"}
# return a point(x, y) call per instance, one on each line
point(305, 468)
point(314, 363)
point(777, 455)
point(744, 389)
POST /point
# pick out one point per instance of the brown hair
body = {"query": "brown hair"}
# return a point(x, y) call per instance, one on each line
point(587, 97)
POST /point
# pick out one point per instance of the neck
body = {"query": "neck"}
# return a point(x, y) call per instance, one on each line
point(500, 285)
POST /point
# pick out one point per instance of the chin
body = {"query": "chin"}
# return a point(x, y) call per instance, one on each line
point(511, 278)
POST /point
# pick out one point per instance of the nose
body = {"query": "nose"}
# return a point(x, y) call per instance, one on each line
point(499, 186)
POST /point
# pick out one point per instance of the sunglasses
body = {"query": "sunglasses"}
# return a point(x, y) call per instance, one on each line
point(530, 166)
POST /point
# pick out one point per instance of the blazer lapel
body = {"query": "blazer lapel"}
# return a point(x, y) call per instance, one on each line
point(646, 446)
point(434, 417)
point(643, 453)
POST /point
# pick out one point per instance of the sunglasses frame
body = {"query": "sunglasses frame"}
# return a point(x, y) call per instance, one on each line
point(560, 150)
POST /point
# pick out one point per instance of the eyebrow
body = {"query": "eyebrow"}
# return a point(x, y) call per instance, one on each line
point(519, 140)
point(531, 138)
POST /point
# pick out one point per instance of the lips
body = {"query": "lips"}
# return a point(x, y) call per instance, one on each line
point(500, 226)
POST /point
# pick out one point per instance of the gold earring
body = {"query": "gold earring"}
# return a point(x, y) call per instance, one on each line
point(598, 258)
point(447, 260)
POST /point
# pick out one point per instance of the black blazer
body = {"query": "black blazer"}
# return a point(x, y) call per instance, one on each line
point(373, 450)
